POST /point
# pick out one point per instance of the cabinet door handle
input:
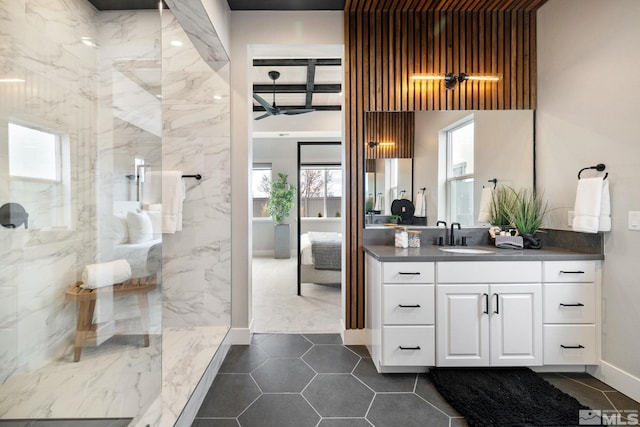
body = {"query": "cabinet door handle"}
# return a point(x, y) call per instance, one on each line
point(409, 348)
point(572, 305)
point(497, 310)
point(571, 272)
point(486, 303)
point(416, 273)
point(409, 306)
point(571, 346)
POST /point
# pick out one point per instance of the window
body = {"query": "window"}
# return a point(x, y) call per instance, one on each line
point(33, 153)
point(320, 191)
point(260, 186)
point(460, 172)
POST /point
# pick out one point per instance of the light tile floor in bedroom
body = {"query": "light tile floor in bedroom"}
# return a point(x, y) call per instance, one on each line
point(278, 308)
point(312, 380)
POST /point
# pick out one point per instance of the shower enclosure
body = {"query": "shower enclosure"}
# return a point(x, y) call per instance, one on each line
point(87, 97)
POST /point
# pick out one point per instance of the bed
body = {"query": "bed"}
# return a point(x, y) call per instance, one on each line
point(321, 258)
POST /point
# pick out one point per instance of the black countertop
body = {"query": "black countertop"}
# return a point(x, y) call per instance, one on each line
point(387, 253)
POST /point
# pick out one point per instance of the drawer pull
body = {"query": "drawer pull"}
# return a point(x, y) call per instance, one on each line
point(409, 348)
point(571, 272)
point(417, 273)
point(409, 306)
point(571, 346)
point(572, 305)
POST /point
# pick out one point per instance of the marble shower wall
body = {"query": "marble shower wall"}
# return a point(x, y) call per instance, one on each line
point(40, 43)
point(196, 139)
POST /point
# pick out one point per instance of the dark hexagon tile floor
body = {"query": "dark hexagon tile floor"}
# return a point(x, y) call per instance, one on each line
point(313, 380)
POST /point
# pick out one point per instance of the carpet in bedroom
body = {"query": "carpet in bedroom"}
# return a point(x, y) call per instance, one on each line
point(505, 397)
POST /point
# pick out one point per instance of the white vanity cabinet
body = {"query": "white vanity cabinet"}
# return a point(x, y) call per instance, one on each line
point(571, 312)
point(489, 313)
point(401, 307)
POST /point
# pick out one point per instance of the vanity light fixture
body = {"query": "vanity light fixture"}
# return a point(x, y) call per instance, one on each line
point(374, 144)
point(451, 80)
point(12, 80)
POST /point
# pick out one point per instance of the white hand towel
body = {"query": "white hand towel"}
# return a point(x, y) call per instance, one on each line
point(173, 195)
point(588, 205)
point(605, 208)
point(105, 274)
point(378, 205)
point(421, 206)
point(484, 211)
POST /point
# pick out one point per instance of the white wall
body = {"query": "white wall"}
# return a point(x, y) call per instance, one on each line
point(248, 31)
point(587, 101)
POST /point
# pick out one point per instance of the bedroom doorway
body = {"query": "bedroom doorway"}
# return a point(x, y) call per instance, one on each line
point(320, 189)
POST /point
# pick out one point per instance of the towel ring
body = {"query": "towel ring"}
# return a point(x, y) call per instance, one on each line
point(599, 167)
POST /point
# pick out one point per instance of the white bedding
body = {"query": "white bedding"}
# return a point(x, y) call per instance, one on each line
point(306, 258)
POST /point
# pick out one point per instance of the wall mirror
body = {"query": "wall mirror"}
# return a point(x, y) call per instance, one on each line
point(502, 148)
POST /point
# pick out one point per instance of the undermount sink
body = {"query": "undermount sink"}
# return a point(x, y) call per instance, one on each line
point(467, 250)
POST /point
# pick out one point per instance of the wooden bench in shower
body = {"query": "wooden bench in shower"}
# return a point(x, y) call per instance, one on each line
point(86, 298)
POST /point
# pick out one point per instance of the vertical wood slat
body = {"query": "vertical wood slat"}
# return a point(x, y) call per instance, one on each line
point(389, 126)
point(385, 47)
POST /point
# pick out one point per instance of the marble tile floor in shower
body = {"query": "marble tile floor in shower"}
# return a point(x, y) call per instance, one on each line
point(312, 380)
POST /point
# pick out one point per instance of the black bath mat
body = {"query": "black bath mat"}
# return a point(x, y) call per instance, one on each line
point(505, 397)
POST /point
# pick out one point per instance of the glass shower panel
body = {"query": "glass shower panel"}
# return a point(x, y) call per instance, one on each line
point(79, 108)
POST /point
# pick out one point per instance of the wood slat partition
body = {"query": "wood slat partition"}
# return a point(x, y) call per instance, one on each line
point(385, 47)
point(389, 127)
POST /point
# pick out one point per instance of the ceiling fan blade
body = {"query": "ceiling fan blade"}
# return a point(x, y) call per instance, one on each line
point(297, 111)
point(263, 116)
point(264, 103)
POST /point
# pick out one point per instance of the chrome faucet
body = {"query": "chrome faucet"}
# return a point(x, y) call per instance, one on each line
point(441, 240)
point(452, 239)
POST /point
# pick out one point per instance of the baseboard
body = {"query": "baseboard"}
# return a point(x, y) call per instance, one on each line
point(240, 336)
point(192, 406)
point(558, 368)
point(263, 253)
point(354, 336)
point(622, 381)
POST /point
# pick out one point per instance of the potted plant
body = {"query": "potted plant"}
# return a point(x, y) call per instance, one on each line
point(394, 219)
point(527, 215)
point(281, 195)
point(502, 205)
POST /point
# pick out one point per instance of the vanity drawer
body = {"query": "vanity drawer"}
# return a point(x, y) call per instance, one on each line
point(490, 272)
point(579, 343)
point(408, 345)
point(569, 271)
point(408, 305)
point(569, 303)
point(407, 272)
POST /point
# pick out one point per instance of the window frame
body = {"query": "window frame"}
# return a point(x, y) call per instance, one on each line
point(256, 167)
point(324, 167)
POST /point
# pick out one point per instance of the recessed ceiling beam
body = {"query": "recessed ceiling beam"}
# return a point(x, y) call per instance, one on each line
point(293, 88)
point(311, 76)
point(258, 108)
point(294, 62)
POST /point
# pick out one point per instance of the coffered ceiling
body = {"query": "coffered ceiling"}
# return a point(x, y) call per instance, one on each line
point(303, 83)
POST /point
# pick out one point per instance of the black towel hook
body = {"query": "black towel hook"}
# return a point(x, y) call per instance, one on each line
point(495, 182)
point(599, 167)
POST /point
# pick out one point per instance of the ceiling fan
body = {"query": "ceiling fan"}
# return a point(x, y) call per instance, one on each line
point(273, 110)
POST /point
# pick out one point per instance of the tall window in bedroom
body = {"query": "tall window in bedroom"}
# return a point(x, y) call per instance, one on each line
point(320, 191)
point(459, 180)
point(260, 186)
